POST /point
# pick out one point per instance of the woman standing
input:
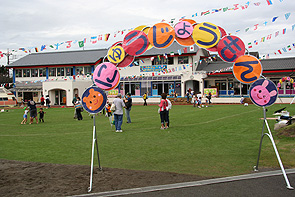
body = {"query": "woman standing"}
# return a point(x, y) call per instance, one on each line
point(163, 111)
point(78, 107)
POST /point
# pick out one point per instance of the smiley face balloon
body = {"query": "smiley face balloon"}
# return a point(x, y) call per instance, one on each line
point(94, 100)
point(161, 35)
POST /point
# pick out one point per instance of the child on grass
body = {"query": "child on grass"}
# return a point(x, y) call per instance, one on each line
point(25, 116)
point(41, 115)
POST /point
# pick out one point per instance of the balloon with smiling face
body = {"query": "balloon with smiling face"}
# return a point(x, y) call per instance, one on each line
point(263, 93)
point(94, 100)
point(161, 35)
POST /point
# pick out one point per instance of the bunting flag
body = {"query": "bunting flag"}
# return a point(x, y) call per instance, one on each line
point(274, 19)
point(284, 31)
point(287, 15)
point(106, 37)
point(179, 51)
point(1, 54)
point(268, 2)
point(93, 39)
point(249, 45)
point(141, 60)
point(43, 47)
point(159, 58)
point(81, 44)
point(284, 49)
point(36, 49)
point(185, 50)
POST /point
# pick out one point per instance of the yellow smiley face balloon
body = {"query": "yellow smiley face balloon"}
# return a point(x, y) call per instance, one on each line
point(206, 35)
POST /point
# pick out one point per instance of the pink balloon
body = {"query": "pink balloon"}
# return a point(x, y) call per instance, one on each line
point(106, 76)
point(183, 29)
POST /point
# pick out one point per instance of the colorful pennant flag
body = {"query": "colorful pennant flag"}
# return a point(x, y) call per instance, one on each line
point(287, 15)
point(268, 2)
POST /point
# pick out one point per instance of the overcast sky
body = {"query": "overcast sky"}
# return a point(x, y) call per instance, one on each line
point(33, 23)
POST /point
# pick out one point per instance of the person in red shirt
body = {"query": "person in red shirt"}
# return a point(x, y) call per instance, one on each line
point(163, 111)
point(42, 100)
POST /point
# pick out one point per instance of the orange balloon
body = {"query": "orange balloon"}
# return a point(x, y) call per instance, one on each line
point(191, 21)
point(161, 35)
point(185, 41)
point(247, 69)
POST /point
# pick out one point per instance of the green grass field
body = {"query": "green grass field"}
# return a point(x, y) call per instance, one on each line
point(222, 140)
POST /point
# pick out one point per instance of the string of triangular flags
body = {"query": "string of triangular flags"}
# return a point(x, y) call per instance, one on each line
point(290, 47)
point(105, 37)
point(269, 36)
point(234, 7)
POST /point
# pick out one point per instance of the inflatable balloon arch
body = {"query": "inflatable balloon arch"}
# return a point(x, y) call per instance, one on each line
point(281, 81)
point(246, 68)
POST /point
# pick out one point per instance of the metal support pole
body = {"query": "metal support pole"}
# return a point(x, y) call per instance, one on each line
point(292, 100)
point(275, 149)
point(262, 135)
point(94, 142)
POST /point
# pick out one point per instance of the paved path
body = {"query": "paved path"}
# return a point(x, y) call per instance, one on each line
point(256, 184)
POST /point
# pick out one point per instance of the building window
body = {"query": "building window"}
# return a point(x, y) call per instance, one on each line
point(42, 72)
point(20, 94)
point(183, 60)
point(87, 70)
point(60, 71)
point(34, 72)
point(52, 72)
point(221, 85)
point(18, 73)
point(69, 71)
point(79, 70)
point(26, 72)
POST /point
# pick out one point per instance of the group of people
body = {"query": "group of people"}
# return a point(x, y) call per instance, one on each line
point(164, 108)
point(32, 108)
point(197, 98)
point(45, 101)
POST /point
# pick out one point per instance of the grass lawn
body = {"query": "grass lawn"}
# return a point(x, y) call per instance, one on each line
point(222, 140)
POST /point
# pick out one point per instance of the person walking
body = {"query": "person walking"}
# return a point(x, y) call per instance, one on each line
point(118, 113)
point(163, 111)
point(144, 99)
point(128, 104)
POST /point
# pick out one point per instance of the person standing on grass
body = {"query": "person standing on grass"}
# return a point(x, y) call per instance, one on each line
point(42, 100)
point(199, 99)
point(163, 111)
point(47, 100)
point(78, 107)
point(118, 113)
point(74, 102)
point(168, 110)
point(41, 115)
point(144, 99)
point(128, 104)
point(33, 111)
point(187, 96)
